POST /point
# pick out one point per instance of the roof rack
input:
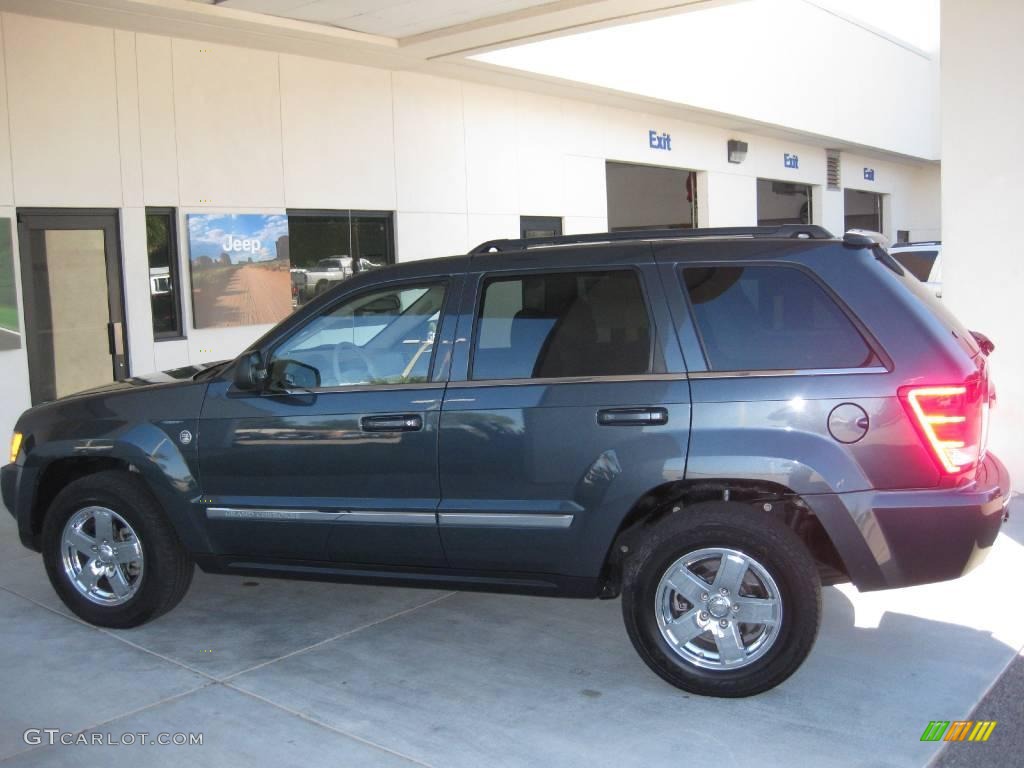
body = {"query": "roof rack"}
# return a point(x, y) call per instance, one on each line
point(800, 231)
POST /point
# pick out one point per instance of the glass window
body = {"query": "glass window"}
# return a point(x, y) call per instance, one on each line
point(327, 248)
point(563, 324)
point(383, 337)
point(164, 290)
point(539, 226)
point(918, 263)
point(771, 318)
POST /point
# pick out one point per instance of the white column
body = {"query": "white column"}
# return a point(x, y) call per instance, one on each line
point(982, 196)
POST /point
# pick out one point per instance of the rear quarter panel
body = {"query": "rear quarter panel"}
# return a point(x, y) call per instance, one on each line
point(774, 425)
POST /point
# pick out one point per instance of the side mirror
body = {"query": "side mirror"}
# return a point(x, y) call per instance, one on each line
point(249, 372)
point(287, 375)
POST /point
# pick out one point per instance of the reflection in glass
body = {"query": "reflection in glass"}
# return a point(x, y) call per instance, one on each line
point(383, 337)
point(328, 248)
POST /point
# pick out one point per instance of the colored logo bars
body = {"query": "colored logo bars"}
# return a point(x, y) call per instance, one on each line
point(958, 730)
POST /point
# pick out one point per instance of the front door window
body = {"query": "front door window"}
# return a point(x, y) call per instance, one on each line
point(381, 337)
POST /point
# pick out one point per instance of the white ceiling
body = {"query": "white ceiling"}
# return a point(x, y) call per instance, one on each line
point(389, 18)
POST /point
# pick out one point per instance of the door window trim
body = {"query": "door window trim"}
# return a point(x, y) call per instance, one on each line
point(709, 372)
point(482, 279)
point(446, 305)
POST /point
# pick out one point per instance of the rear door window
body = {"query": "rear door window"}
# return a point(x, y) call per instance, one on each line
point(765, 318)
point(918, 263)
point(563, 324)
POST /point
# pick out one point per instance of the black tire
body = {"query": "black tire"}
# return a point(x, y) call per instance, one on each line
point(168, 568)
point(758, 535)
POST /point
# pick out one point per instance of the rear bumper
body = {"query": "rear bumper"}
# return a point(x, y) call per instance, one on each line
point(902, 538)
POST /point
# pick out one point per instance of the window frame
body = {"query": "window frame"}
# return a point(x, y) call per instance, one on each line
point(484, 278)
point(418, 282)
point(885, 361)
point(174, 268)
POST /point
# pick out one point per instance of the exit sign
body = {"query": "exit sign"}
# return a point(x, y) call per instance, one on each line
point(657, 140)
point(869, 174)
point(790, 161)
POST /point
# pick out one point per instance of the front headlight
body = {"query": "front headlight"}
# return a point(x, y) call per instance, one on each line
point(15, 446)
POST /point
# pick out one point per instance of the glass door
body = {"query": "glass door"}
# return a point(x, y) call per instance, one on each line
point(74, 308)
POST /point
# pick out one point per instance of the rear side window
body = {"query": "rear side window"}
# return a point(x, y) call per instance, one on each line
point(918, 263)
point(563, 324)
point(768, 318)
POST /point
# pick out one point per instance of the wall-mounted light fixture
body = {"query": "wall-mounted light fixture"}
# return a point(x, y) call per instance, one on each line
point(737, 151)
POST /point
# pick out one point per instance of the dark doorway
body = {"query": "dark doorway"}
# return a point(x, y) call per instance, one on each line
point(650, 197)
point(863, 210)
point(782, 202)
point(74, 300)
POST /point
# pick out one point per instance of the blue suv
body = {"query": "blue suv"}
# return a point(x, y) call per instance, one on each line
point(710, 423)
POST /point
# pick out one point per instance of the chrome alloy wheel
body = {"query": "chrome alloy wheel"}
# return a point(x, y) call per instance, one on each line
point(102, 556)
point(718, 608)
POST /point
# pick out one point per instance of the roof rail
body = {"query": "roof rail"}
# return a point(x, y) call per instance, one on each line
point(801, 231)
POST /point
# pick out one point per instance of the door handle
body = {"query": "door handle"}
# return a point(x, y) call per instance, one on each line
point(632, 417)
point(395, 422)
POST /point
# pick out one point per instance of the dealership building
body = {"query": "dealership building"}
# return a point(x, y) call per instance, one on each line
point(176, 175)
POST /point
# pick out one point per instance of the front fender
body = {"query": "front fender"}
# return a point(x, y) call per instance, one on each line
point(149, 449)
point(144, 429)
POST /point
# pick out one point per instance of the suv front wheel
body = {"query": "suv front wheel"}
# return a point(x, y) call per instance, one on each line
point(722, 601)
point(110, 552)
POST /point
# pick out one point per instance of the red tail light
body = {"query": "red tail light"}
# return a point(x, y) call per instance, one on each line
point(952, 420)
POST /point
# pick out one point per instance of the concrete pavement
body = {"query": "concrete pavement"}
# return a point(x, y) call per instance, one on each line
point(305, 674)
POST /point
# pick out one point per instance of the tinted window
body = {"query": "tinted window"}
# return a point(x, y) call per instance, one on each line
point(561, 325)
point(161, 245)
point(771, 318)
point(383, 337)
point(341, 243)
point(918, 263)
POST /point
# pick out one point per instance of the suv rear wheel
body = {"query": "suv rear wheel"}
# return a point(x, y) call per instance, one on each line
point(721, 601)
point(110, 553)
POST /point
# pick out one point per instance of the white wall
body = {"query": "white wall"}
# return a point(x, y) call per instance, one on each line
point(106, 118)
point(983, 272)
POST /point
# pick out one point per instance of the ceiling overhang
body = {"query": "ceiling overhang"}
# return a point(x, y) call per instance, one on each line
point(443, 52)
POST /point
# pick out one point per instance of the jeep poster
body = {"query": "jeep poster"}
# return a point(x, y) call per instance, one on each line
point(239, 264)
